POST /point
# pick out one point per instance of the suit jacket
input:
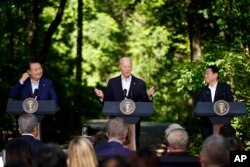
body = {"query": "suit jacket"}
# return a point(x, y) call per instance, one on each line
point(223, 92)
point(35, 144)
point(179, 159)
point(113, 148)
point(137, 91)
point(46, 90)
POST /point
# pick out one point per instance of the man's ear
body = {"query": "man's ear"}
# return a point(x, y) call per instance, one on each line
point(201, 158)
point(19, 131)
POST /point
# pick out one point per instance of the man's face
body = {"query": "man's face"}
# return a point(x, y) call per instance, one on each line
point(126, 68)
point(209, 76)
point(35, 71)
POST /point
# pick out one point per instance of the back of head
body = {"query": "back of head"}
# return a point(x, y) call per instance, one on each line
point(171, 127)
point(50, 155)
point(144, 158)
point(177, 139)
point(215, 152)
point(227, 131)
point(117, 128)
point(27, 123)
point(81, 153)
point(114, 161)
point(18, 152)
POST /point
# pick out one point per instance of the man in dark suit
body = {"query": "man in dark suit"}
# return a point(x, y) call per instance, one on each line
point(33, 84)
point(116, 132)
point(212, 92)
point(127, 86)
point(177, 140)
point(28, 128)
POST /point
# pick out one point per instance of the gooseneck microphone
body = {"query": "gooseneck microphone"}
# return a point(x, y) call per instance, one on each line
point(125, 93)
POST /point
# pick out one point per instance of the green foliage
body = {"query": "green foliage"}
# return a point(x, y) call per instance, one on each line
point(153, 33)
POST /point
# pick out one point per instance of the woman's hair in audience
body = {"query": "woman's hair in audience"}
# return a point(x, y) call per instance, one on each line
point(114, 161)
point(81, 153)
point(18, 152)
point(144, 158)
point(50, 155)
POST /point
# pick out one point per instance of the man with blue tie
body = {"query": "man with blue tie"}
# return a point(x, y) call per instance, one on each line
point(33, 84)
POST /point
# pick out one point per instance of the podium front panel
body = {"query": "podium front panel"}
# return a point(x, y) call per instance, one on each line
point(15, 107)
point(113, 109)
point(206, 109)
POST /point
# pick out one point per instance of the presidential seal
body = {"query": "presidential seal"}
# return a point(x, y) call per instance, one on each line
point(127, 106)
point(221, 107)
point(30, 105)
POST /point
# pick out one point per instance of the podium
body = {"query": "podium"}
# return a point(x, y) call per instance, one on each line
point(206, 109)
point(45, 107)
point(142, 109)
point(14, 107)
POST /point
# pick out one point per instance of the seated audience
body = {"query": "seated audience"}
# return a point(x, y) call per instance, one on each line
point(117, 130)
point(215, 152)
point(81, 153)
point(18, 152)
point(114, 161)
point(229, 133)
point(177, 140)
point(50, 155)
point(28, 128)
point(144, 158)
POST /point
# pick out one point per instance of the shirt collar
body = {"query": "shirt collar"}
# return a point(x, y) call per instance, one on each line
point(128, 79)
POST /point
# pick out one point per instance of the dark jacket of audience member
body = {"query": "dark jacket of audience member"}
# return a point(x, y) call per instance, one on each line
point(50, 155)
point(144, 158)
point(117, 130)
point(177, 140)
point(28, 128)
point(18, 152)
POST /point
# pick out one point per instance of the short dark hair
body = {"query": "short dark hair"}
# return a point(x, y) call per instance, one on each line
point(214, 68)
point(31, 61)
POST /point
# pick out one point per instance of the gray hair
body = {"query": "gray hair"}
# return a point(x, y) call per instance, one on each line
point(215, 150)
point(178, 139)
point(125, 59)
point(171, 127)
point(27, 123)
point(117, 128)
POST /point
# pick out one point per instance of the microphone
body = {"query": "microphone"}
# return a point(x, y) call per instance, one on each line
point(125, 93)
point(35, 93)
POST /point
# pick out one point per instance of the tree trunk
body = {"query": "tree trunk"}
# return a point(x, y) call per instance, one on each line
point(52, 28)
point(194, 31)
point(79, 43)
point(33, 28)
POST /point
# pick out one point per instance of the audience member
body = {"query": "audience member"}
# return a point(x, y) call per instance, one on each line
point(177, 140)
point(18, 152)
point(215, 152)
point(114, 161)
point(81, 153)
point(144, 158)
point(229, 132)
point(28, 128)
point(50, 155)
point(117, 130)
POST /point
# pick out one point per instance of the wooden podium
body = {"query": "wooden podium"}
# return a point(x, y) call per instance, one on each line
point(142, 109)
point(45, 107)
point(207, 109)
